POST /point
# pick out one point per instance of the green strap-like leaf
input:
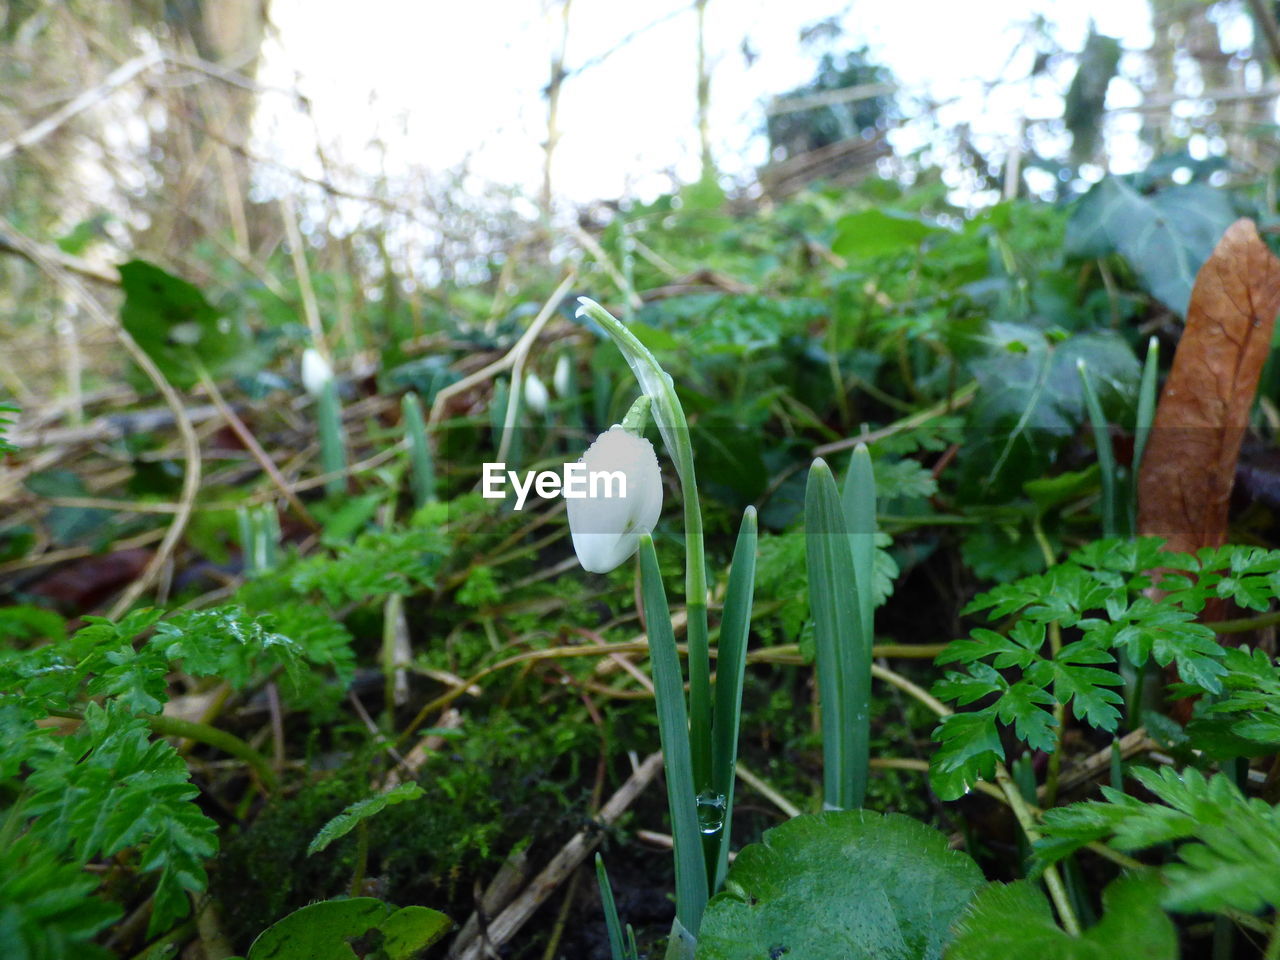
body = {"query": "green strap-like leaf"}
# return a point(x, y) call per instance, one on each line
point(415, 430)
point(859, 501)
point(617, 948)
point(1106, 456)
point(731, 664)
point(673, 728)
point(844, 667)
point(670, 418)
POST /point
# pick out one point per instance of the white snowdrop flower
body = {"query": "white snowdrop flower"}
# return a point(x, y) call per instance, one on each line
point(535, 393)
point(606, 529)
point(560, 379)
point(316, 371)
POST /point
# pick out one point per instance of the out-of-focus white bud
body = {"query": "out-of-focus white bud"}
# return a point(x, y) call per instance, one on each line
point(316, 371)
point(560, 379)
point(606, 529)
point(535, 393)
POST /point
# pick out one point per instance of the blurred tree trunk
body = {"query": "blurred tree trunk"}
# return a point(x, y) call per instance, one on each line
point(553, 108)
point(1184, 31)
point(704, 94)
point(200, 154)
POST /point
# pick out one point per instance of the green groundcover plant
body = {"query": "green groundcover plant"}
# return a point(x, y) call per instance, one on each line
point(122, 791)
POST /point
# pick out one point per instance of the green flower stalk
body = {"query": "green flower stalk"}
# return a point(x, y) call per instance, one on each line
point(317, 377)
point(700, 738)
point(843, 651)
point(674, 429)
point(420, 458)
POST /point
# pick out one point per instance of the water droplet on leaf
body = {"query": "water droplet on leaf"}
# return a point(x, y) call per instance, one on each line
point(711, 811)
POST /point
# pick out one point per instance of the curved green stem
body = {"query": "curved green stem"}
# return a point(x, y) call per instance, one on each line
point(668, 414)
point(1057, 891)
point(226, 742)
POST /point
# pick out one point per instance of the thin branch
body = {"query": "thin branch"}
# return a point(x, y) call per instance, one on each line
point(508, 923)
point(187, 433)
point(116, 79)
point(508, 360)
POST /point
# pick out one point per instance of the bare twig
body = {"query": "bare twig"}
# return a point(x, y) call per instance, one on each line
point(508, 360)
point(508, 923)
point(116, 79)
point(187, 433)
point(255, 448)
point(592, 246)
point(309, 306)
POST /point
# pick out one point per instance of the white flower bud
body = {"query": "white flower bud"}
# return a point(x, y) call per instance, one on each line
point(606, 529)
point(560, 379)
point(535, 393)
point(316, 371)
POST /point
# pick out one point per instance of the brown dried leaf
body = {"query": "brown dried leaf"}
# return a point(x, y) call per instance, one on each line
point(1184, 485)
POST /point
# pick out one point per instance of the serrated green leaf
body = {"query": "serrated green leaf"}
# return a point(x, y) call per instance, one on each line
point(1014, 920)
point(361, 810)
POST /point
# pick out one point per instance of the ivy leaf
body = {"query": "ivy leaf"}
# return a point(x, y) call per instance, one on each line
point(1166, 236)
point(173, 322)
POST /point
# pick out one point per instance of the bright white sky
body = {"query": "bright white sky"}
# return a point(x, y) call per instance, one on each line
point(437, 82)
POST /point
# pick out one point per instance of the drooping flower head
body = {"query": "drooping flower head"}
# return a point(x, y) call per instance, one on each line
point(535, 393)
point(316, 371)
point(606, 529)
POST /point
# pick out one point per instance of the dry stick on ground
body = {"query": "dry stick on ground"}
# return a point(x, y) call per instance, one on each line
point(68, 262)
point(251, 442)
point(309, 306)
point(190, 443)
point(502, 889)
point(952, 403)
point(508, 923)
point(508, 360)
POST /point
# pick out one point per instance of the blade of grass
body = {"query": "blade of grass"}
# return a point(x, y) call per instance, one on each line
point(844, 669)
point(1106, 456)
point(859, 501)
point(1146, 416)
point(731, 663)
point(245, 527)
point(333, 452)
point(673, 728)
point(415, 431)
point(616, 947)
